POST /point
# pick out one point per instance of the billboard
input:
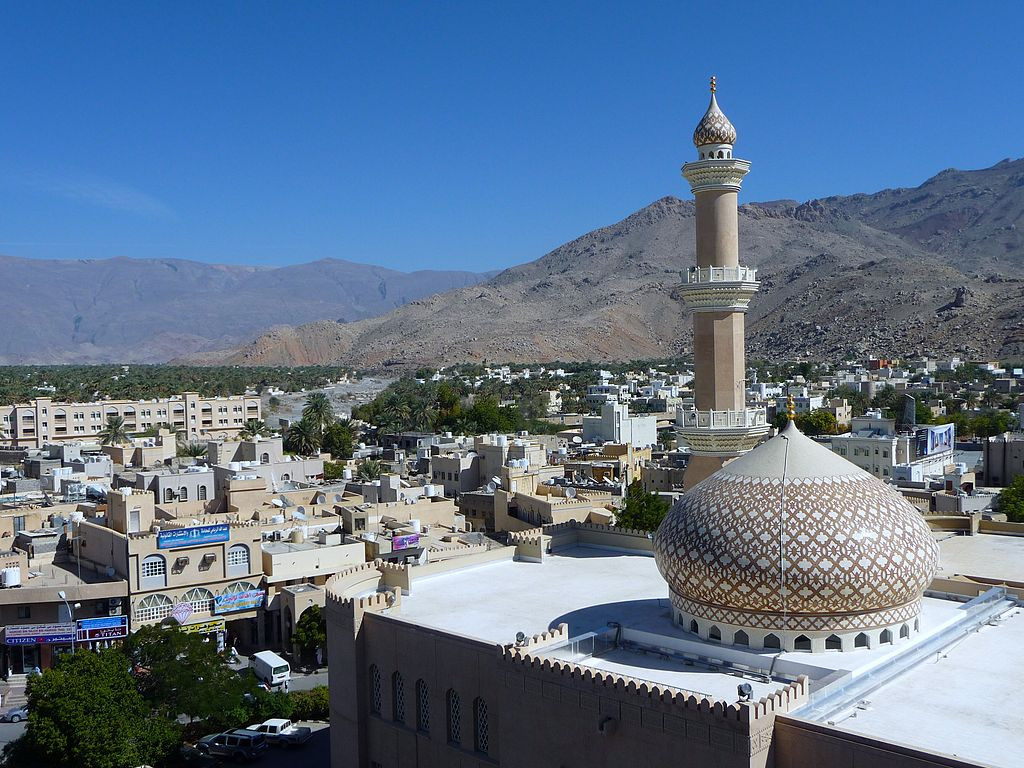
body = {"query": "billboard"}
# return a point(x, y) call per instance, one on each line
point(34, 634)
point(107, 628)
point(405, 542)
point(192, 537)
point(204, 627)
point(936, 439)
point(239, 601)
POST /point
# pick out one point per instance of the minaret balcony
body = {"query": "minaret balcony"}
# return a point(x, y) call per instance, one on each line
point(726, 174)
point(719, 289)
point(721, 433)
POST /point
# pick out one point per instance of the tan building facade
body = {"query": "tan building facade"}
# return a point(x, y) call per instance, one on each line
point(44, 420)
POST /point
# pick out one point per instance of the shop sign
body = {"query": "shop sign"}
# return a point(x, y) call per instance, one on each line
point(107, 628)
point(35, 634)
point(193, 537)
point(204, 627)
point(181, 612)
point(405, 542)
point(239, 601)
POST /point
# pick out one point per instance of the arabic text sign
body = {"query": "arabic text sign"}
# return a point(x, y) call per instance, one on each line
point(31, 634)
point(191, 537)
point(204, 627)
point(238, 601)
point(405, 542)
point(111, 628)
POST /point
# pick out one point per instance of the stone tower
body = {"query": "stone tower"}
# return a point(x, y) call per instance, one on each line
point(717, 291)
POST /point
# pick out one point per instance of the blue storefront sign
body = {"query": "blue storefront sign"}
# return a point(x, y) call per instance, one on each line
point(106, 628)
point(36, 634)
point(239, 601)
point(192, 537)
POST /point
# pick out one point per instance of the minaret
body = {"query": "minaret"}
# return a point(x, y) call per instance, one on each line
point(717, 291)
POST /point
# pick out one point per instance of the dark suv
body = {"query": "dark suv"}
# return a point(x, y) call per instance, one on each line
point(241, 744)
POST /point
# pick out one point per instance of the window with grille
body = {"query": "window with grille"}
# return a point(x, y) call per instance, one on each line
point(454, 717)
point(397, 698)
point(422, 707)
point(480, 733)
point(374, 689)
point(153, 572)
point(238, 560)
point(153, 607)
point(202, 493)
point(200, 599)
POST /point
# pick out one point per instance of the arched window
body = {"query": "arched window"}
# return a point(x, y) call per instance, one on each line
point(200, 598)
point(693, 626)
point(904, 631)
point(202, 493)
point(397, 697)
point(741, 638)
point(772, 641)
point(265, 458)
point(454, 717)
point(720, 155)
point(802, 643)
point(238, 586)
point(422, 707)
point(153, 572)
point(374, 689)
point(885, 637)
point(833, 643)
point(861, 641)
point(168, 495)
point(715, 634)
point(481, 736)
point(153, 608)
point(238, 560)
point(183, 493)
point(917, 624)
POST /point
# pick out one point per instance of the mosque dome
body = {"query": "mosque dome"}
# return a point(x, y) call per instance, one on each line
point(714, 127)
point(791, 538)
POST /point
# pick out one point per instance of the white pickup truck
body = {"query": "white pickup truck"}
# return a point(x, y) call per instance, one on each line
point(283, 732)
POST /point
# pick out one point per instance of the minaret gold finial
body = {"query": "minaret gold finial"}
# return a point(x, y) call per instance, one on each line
point(790, 408)
point(714, 83)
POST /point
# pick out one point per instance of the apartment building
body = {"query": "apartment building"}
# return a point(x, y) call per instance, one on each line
point(873, 444)
point(44, 420)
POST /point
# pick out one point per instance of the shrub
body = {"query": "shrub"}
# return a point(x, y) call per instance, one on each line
point(311, 705)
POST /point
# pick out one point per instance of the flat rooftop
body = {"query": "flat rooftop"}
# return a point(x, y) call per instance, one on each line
point(988, 555)
point(955, 701)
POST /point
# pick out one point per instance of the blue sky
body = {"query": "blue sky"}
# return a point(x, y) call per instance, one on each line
point(470, 135)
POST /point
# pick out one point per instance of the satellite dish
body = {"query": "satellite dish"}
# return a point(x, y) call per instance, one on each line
point(570, 493)
point(496, 480)
point(277, 503)
point(490, 487)
point(321, 498)
point(577, 439)
point(745, 691)
point(520, 638)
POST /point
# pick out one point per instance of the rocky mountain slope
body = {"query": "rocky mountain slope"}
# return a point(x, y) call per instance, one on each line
point(935, 269)
point(150, 310)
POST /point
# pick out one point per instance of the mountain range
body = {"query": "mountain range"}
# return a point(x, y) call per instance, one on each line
point(151, 310)
point(934, 269)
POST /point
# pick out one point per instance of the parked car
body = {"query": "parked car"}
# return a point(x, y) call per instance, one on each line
point(240, 744)
point(283, 732)
point(15, 715)
point(193, 756)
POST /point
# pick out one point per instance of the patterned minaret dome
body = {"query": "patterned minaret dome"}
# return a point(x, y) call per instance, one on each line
point(714, 127)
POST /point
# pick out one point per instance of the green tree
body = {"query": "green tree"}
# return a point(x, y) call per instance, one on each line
point(319, 412)
point(369, 469)
point(114, 431)
point(339, 440)
point(858, 401)
point(333, 470)
point(303, 437)
point(179, 673)
point(1011, 500)
point(253, 428)
point(311, 630)
point(642, 510)
point(818, 422)
point(86, 712)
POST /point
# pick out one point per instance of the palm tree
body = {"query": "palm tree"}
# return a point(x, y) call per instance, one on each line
point(114, 433)
point(318, 412)
point(369, 469)
point(252, 428)
point(192, 448)
point(303, 438)
point(422, 415)
point(970, 397)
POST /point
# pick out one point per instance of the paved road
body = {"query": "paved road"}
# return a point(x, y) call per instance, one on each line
point(315, 753)
point(10, 731)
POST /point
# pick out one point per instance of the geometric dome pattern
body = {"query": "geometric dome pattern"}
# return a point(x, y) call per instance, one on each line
point(714, 127)
point(829, 545)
